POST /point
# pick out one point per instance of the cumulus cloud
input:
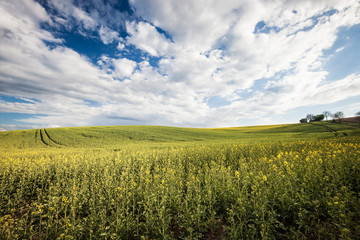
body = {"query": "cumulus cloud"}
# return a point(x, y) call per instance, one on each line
point(195, 25)
point(145, 37)
point(260, 56)
point(70, 12)
point(107, 35)
point(120, 46)
point(290, 43)
point(294, 39)
point(124, 67)
point(292, 92)
point(65, 84)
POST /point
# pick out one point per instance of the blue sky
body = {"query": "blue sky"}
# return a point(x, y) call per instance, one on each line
point(204, 63)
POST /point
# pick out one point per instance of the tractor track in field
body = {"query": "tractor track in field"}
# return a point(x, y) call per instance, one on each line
point(36, 134)
point(329, 129)
point(43, 134)
point(42, 138)
point(52, 140)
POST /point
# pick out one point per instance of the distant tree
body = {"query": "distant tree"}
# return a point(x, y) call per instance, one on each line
point(326, 115)
point(303, 120)
point(310, 117)
point(318, 118)
point(339, 116)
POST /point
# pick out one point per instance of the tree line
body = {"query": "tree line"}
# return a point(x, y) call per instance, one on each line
point(325, 115)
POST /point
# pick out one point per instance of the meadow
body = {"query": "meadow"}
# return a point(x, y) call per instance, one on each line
point(293, 181)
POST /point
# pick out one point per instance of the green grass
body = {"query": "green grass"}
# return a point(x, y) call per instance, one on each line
point(113, 136)
point(292, 181)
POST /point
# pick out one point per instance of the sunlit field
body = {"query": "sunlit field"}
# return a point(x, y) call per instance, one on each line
point(298, 181)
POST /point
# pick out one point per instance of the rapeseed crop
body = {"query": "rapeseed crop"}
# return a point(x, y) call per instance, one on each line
point(194, 185)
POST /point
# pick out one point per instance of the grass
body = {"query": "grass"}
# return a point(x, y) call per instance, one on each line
point(293, 181)
point(113, 136)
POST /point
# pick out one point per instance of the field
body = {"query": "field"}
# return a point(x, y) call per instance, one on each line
point(295, 181)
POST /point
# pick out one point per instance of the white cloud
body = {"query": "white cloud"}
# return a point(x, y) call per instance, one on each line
point(194, 25)
point(338, 90)
point(61, 79)
point(208, 48)
point(145, 37)
point(354, 108)
point(28, 10)
point(69, 11)
point(246, 57)
point(120, 46)
point(339, 49)
point(292, 92)
point(10, 127)
point(124, 67)
point(117, 67)
point(107, 35)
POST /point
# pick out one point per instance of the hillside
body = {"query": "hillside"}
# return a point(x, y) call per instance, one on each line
point(291, 181)
point(115, 136)
point(351, 120)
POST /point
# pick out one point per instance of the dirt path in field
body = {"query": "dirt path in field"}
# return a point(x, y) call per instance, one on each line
point(42, 138)
point(43, 134)
point(36, 134)
point(52, 140)
point(329, 129)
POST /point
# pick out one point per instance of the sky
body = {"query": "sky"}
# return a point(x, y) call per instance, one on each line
point(204, 63)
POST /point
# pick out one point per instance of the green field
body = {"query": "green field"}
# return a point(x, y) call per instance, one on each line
point(293, 181)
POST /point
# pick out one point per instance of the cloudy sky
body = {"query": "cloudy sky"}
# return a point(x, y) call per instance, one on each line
point(204, 63)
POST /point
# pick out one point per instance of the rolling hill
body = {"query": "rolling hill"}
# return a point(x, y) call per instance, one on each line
point(114, 136)
point(290, 181)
